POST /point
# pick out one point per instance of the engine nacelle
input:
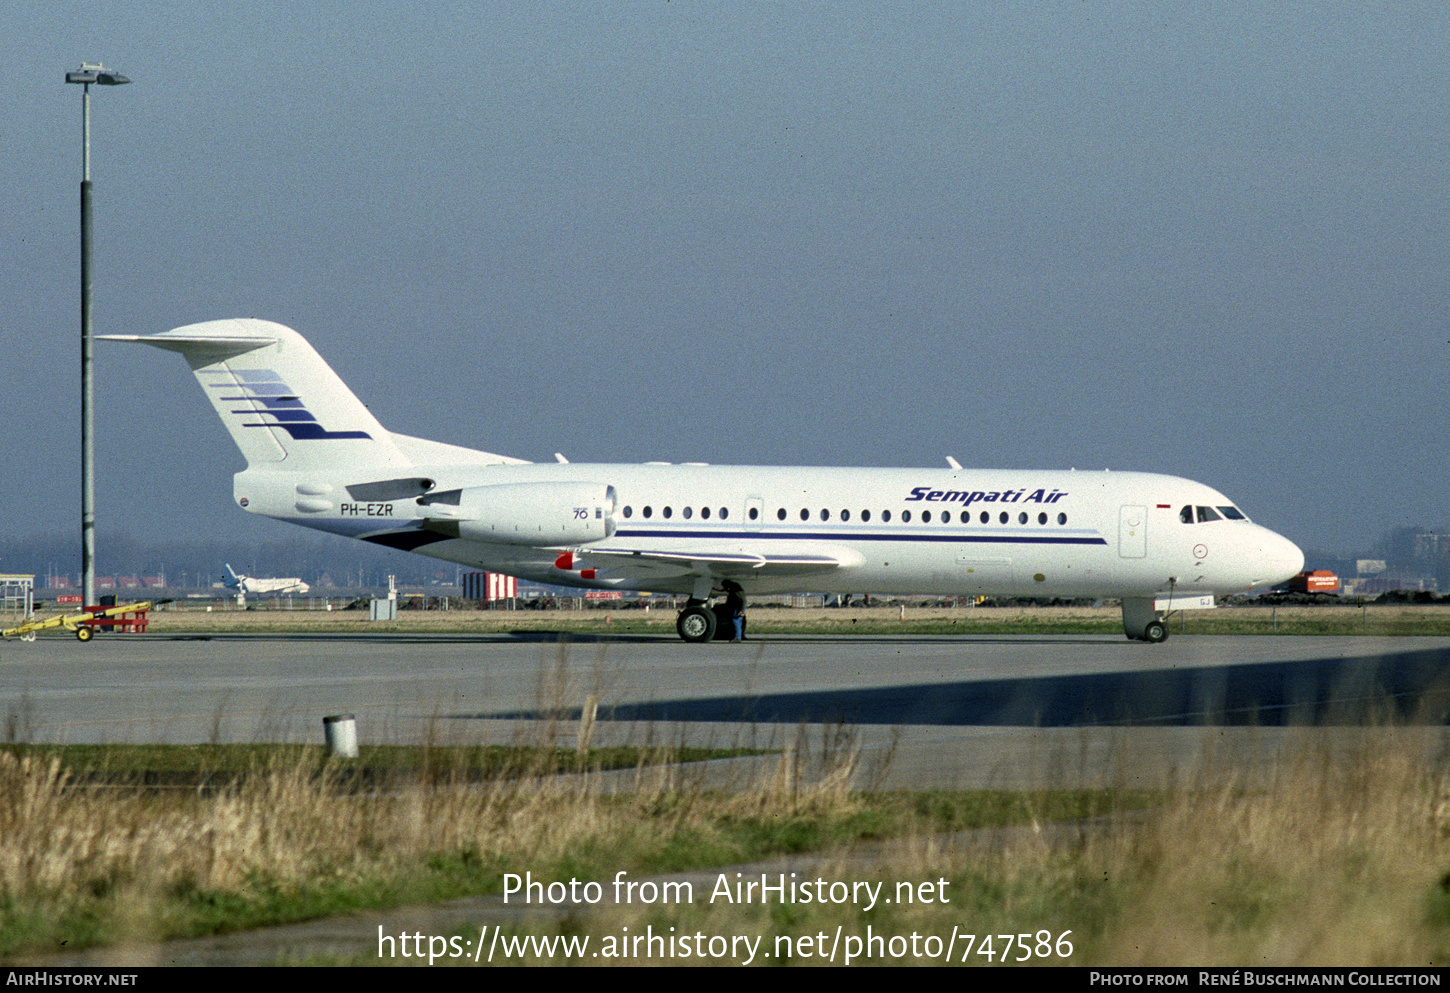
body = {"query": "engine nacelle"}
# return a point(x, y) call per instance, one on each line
point(538, 514)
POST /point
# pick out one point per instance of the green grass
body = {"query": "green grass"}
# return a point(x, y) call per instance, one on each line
point(1327, 619)
point(216, 765)
point(290, 837)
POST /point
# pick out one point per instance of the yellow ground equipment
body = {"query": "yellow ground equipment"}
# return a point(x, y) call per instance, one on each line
point(130, 617)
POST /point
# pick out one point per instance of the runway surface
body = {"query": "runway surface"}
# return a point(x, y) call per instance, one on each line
point(926, 711)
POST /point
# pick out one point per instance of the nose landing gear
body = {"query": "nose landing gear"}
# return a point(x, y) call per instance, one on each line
point(1141, 622)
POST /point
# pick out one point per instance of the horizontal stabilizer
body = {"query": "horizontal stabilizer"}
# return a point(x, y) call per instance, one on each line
point(214, 348)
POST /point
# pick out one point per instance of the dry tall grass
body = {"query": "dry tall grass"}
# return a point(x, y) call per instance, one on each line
point(134, 863)
point(1336, 855)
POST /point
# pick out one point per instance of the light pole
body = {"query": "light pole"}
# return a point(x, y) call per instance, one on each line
point(86, 75)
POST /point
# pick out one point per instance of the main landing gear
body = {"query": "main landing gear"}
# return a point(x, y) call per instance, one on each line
point(697, 622)
point(1141, 622)
point(702, 621)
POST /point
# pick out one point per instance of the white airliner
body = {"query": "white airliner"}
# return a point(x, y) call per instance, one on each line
point(317, 457)
point(251, 584)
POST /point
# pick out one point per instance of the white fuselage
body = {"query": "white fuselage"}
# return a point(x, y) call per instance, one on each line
point(1049, 533)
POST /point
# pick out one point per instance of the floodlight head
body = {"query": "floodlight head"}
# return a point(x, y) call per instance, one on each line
point(97, 73)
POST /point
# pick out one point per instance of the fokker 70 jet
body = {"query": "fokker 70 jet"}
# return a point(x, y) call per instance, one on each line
point(317, 457)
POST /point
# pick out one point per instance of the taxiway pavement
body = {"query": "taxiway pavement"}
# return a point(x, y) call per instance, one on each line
point(926, 711)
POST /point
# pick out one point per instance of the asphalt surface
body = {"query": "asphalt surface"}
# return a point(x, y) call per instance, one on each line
point(928, 711)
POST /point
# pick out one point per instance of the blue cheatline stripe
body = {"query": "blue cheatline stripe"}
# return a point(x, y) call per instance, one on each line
point(849, 536)
point(415, 538)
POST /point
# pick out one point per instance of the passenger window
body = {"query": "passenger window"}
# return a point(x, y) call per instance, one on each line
point(648, 512)
point(825, 514)
point(779, 514)
point(985, 517)
point(925, 516)
point(886, 516)
point(725, 512)
point(845, 515)
point(1062, 518)
point(628, 512)
point(669, 512)
point(1022, 517)
point(705, 513)
point(1002, 518)
point(1042, 517)
point(966, 517)
point(688, 512)
point(906, 517)
point(805, 514)
point(865, 515)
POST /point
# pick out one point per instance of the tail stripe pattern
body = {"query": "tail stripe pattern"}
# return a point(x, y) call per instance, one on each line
point(270, 397)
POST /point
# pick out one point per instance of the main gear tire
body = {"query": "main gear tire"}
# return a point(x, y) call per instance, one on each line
point(696, 624)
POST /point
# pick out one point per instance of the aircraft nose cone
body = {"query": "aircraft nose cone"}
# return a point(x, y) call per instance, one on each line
point(1280, 558)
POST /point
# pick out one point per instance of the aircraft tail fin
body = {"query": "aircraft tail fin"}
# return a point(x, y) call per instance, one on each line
point(283, 405)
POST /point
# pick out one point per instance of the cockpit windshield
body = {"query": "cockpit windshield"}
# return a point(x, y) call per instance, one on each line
point(1201, 515)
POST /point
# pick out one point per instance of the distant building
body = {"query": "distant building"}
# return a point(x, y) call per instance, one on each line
point(1388, 582)
point(485, 586)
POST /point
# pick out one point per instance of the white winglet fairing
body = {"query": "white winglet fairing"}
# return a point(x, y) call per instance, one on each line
point(317, 457)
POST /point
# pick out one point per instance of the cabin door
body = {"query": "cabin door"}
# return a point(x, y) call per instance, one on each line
point(1132, 532)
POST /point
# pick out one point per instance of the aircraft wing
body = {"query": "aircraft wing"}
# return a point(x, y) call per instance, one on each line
point(742, 564)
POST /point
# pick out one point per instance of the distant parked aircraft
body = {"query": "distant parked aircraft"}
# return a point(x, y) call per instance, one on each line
point(251, 584)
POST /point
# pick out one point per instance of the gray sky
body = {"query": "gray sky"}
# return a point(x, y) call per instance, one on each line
point(1207, 240)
